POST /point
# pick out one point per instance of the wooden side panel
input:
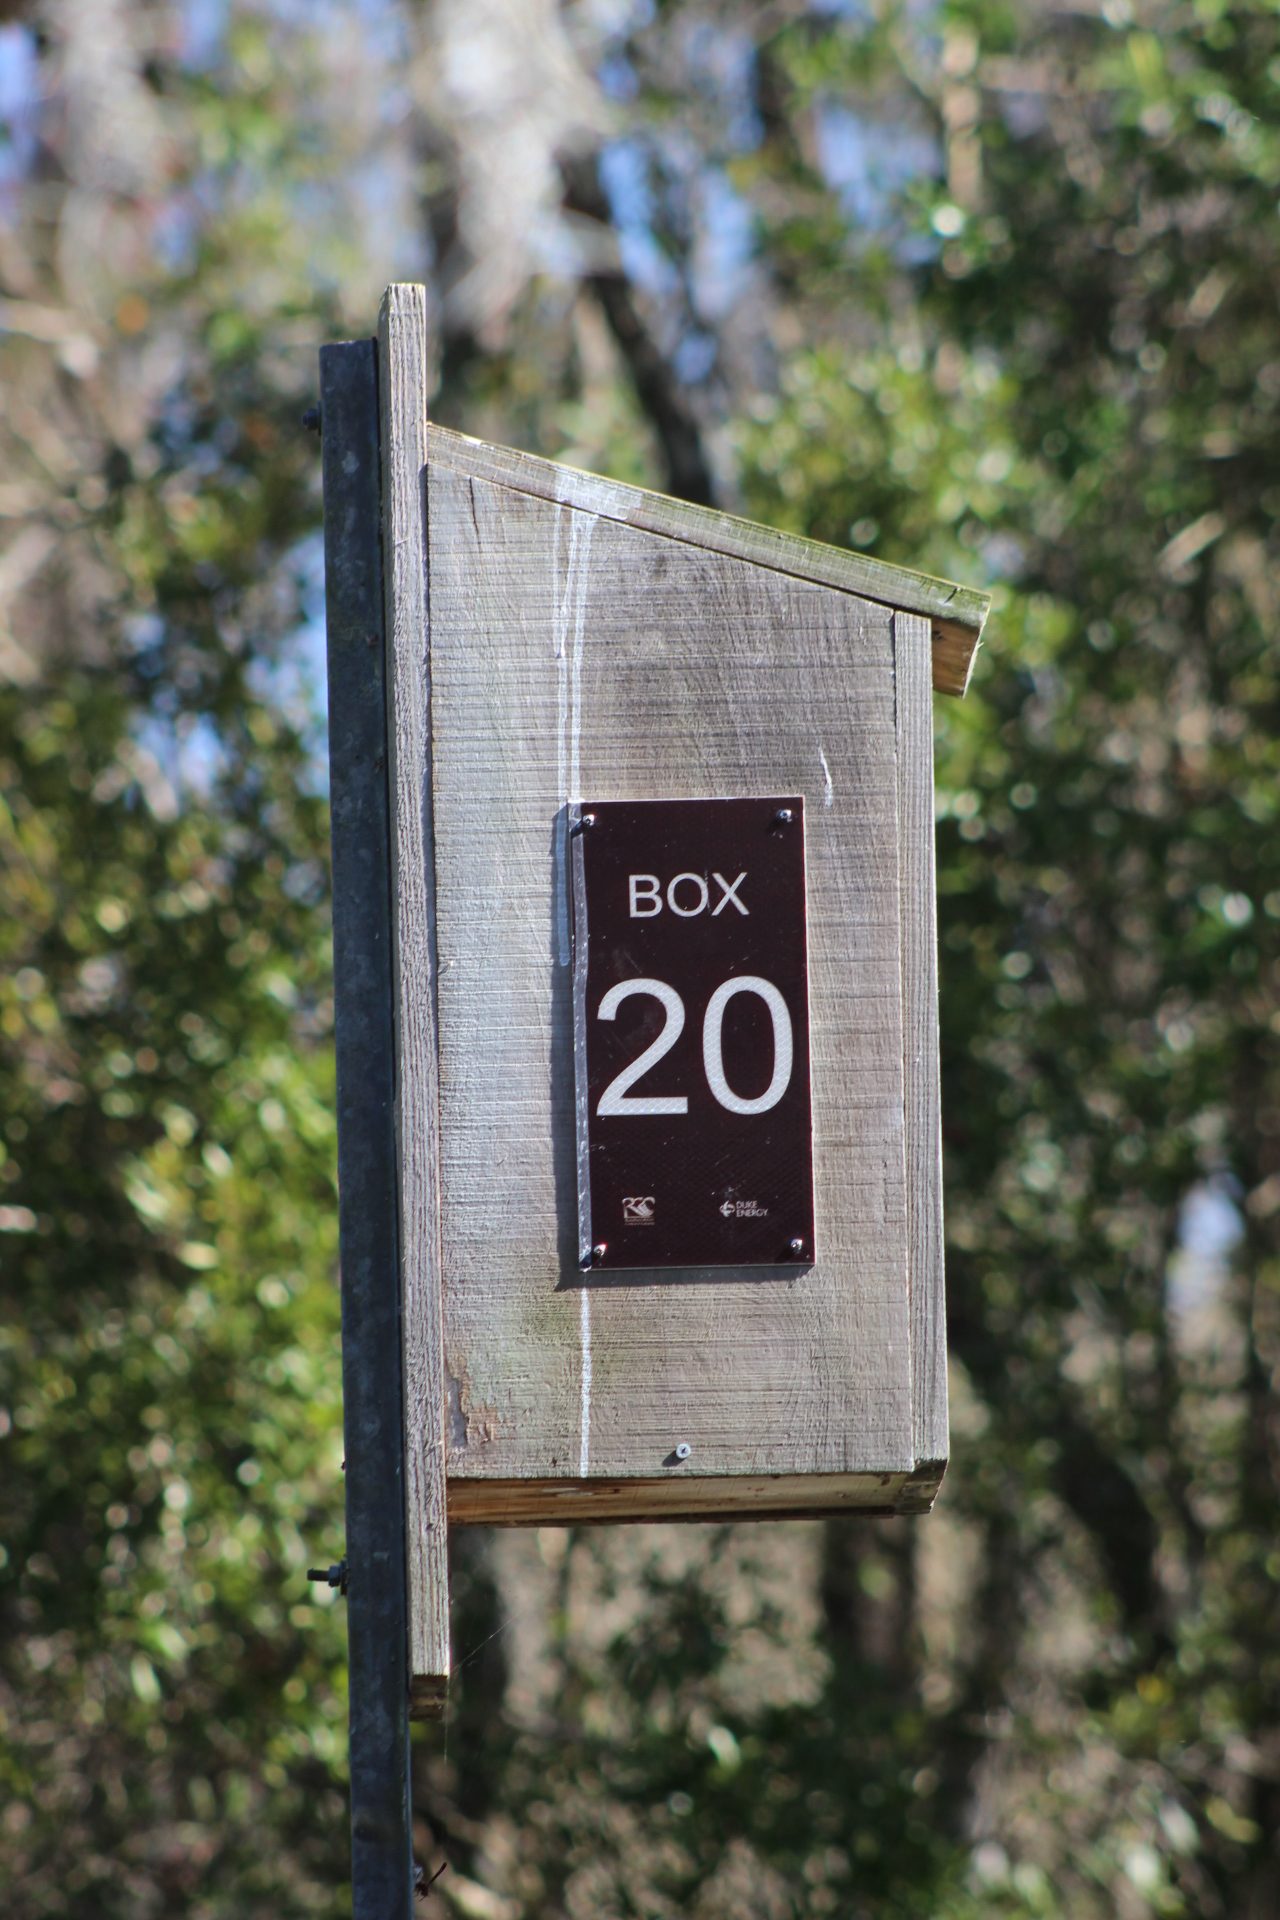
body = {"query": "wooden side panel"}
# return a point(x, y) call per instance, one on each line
point(571, 653)
point(402, 395)
point(920, 1025)
point(956, 613)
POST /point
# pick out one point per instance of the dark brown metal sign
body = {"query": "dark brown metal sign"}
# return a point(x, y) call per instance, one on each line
point(691, 1033)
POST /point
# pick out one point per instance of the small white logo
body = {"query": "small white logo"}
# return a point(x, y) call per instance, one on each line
point(637, 1210)
point(744, 1210)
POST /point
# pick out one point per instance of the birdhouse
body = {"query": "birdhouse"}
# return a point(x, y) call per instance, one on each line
point(663, 1001)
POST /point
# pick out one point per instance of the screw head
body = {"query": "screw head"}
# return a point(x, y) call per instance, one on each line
point(582, 823)
point(796, 1246)
point(784, 816)
point(683, 1451)
point(593, 1256)
point(311, 419)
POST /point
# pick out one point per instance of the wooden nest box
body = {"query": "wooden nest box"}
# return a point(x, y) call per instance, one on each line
point(665, 1001)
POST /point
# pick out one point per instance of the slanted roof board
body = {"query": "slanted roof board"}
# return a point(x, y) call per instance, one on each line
point(957, 613)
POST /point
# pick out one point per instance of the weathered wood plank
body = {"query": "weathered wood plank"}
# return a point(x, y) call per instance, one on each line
point(572, 652)
point(920, 1032)
point(402, 396)
point(955, 650)
point(572, 1503)
point(957, 613)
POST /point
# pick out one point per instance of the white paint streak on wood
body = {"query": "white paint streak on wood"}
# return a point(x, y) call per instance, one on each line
point(581, 528)
point(589, 492)
point(402, 386)
point(584, 1341)
point(585, 525)
point(828, 788)
point(560, 880)
point(570, 601)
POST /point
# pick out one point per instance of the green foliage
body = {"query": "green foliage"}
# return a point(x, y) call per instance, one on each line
point(172, 1692)
point(170, 1326)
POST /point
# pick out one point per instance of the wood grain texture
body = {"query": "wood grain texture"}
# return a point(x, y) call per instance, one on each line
point(920, 1033)
point(572, 653)
point(957, 613)
point(402, 396)
point(955, 651)
point(572, 1503)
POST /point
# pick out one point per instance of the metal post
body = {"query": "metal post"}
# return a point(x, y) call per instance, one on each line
point(381, 1831)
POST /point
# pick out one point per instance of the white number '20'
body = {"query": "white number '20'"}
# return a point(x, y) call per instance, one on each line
point(617, 1100)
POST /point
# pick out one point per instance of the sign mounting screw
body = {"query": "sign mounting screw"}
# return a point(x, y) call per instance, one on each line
point(683, 1451)
point(784, 816)
point(587, 820)
point(593, 1256)
point(796, 1246)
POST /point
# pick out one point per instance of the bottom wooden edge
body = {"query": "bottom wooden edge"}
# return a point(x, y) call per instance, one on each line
point(573, 1503)
point(921, 1488)
point(784, 1496)
point(428, 1693)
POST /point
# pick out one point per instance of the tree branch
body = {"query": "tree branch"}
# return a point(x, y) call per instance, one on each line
point(688, 471)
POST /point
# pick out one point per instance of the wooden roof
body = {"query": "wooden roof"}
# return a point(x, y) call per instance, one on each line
point(957, 613)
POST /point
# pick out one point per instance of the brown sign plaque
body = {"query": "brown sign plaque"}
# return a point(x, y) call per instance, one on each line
point(691, 1033)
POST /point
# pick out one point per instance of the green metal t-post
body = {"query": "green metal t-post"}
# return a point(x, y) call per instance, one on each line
point(382, 1869)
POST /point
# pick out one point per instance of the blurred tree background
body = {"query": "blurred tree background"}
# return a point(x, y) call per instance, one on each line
point(988, 287)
